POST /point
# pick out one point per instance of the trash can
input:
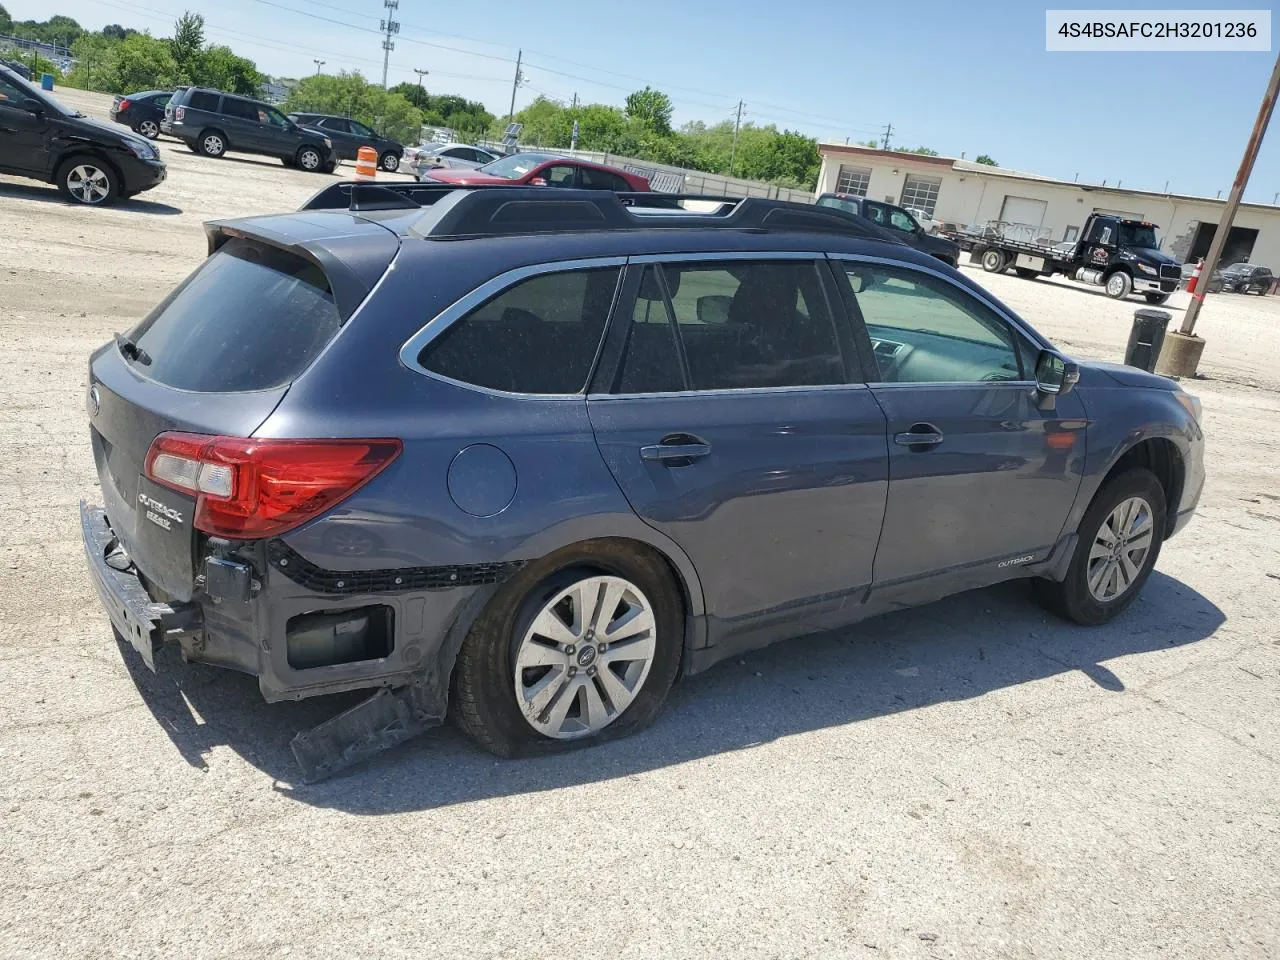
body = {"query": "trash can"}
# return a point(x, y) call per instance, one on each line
point(46, 81)
point(1146, 338)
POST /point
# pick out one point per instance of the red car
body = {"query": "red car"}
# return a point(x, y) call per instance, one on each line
point(543, 170)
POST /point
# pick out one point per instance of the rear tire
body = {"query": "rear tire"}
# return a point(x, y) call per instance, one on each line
point(212, 144)
point(1119, 285)
point(87, 180)
point(508, 706)
point(1084, 595)
point(994, 261)
point(149, 129)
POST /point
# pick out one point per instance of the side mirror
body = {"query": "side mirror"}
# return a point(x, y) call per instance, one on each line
point(31, 105)
point(1055, 377)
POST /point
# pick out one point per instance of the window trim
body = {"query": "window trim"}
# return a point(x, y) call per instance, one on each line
point(460, 308)
point(862, 336)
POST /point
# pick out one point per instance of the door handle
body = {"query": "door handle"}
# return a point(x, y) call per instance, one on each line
point(920, 436)
point(676, 450)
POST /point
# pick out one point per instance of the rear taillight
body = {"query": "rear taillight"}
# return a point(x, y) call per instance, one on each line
point(247, 489)
point(180, 113)
point(124, 104)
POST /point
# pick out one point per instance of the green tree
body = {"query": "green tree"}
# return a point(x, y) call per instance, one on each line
point(652, 108)
point(922, 151)
point(141, 62)
point(873, 144)
point(188, 41)
point(414, 93)
point(219, 67)
point(113, 31)
point(984, 159)
point(95, 67)
point(6, 21)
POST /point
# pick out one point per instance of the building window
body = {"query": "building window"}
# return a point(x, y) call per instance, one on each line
point(1070, 234)
point(920, 194)
point(853, 181)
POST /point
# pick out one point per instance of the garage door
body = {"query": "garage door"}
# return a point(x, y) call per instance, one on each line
point(1023, 210)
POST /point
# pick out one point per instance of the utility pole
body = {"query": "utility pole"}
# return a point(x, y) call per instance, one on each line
point(733, 150)
point(319, 64)
point(421, 74)
point(1233, 202)
point(390, 26)
point(888, 131)
point(515, 84)
point(575, 100)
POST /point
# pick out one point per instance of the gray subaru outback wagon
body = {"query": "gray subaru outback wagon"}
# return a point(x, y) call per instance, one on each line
point(533, 455)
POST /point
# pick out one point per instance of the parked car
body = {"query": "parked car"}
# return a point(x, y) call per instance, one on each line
point(616, 448)
point(1247, 278)
point(212, 122)
point(18, 67)
point(89, 162)
point(448, 156)
point(141, 112)
point(896, 219)
point(1213, 285)
point(349, 136)
point(542, 170)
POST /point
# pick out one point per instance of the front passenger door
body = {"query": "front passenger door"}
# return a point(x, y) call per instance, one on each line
point(978, 475)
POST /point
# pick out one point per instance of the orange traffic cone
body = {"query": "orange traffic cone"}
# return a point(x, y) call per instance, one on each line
point(367, 164)
point(1195, 276)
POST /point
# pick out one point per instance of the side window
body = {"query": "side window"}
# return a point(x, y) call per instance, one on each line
point(203, 100)
point(10, 95)
point(559, 175)
point(162, 101)
point(924, 330)
point(272, 116)
point(651, 363)
point(875, 213)
point(901, 220)
point(360, 130)
point(753, 324)
point(336, 124)
point(240, 109)
point(538, 336)
point(602, 180)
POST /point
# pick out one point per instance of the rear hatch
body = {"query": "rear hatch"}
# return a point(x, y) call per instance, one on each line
point(216, 357)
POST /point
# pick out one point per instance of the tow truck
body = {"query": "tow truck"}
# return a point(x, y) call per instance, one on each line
point(1121, 256)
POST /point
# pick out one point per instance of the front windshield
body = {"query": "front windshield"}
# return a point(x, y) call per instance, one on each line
point(1238, 268)
point(1139, 235)
point(514, 167)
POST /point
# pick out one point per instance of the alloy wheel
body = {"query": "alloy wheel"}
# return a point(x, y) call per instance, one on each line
point(213, 145)
point(149, 129)
point(585, 657)
point(308, 159)
point(88, 184)
point(1120, 549)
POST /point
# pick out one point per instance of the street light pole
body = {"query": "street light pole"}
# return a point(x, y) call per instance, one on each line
point(421, 74)
point(1233, 200)
point(319, 64)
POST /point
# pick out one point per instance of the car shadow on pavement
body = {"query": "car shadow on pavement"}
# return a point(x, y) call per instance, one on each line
point(956, 649)
point(49, 194)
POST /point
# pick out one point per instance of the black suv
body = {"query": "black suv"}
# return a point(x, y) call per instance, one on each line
point(896, 219)
point(90, 162)
point(1247, 278)
point(349, 136)
point(212, 122)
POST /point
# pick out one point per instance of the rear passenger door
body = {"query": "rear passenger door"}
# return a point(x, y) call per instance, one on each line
point(729, 409)
point(339, 131)
point(240, 122)
point(980, 479)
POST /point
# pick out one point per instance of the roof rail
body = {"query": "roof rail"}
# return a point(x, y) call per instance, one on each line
point(497, 210)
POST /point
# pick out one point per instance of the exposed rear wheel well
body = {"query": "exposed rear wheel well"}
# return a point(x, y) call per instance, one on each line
point(1162, 458)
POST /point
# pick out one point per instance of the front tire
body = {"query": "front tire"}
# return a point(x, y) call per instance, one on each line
point(1157, 298)
point(994, 261)
point(1119, 285)
point(88, 180)
point(389, 162)
point(1120, 538)
point(571, 653)
point(309, 159)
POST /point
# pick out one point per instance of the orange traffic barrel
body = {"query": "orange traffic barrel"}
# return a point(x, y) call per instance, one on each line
point(367, 164)
point(1195, 277)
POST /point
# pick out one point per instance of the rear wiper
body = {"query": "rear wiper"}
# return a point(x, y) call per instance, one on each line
point(131, 351)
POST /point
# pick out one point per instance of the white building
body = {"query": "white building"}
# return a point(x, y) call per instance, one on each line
point(965, 192)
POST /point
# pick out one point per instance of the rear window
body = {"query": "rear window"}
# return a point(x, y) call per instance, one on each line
point(202, 100)
point(250, 318)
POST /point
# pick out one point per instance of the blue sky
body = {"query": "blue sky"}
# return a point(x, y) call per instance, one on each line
point(972, 78)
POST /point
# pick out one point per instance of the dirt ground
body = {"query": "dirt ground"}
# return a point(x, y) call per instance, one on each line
point(970, 779)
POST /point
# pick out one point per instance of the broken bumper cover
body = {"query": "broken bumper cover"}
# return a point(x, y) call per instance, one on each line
point(141, 621)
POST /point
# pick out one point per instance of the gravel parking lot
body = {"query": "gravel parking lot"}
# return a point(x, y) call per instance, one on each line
point(970, 779)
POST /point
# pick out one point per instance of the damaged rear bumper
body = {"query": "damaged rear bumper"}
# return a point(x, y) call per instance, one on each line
point(143, 622)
